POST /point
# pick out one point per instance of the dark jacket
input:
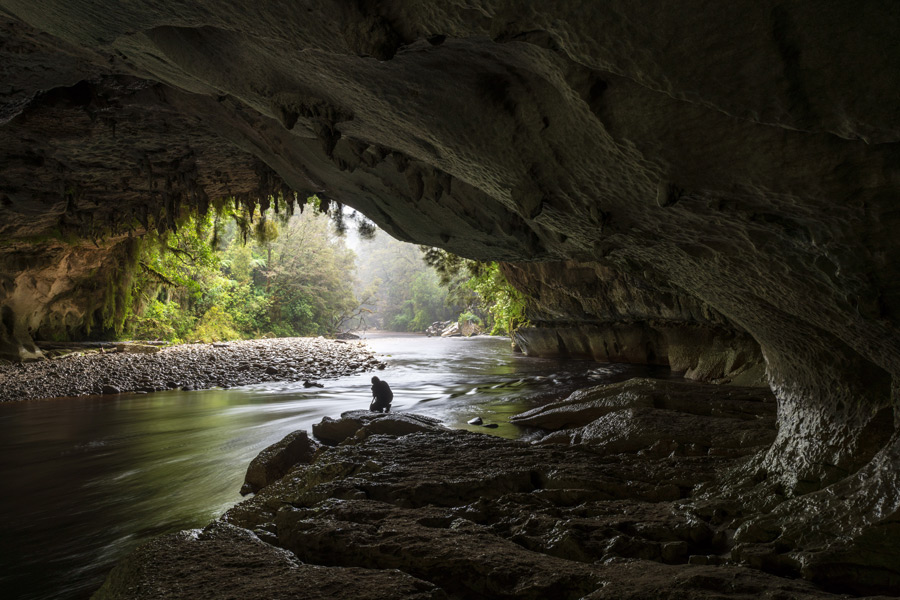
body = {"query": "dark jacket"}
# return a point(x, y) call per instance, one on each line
point(383, 395)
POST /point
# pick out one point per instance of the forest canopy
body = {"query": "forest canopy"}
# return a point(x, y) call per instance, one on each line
point(227, 276)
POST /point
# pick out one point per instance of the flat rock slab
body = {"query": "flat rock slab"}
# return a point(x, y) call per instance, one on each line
point(477, 516)
point(363, 423)
point(659, 417)
point(644, 580)
point(223, 561)
point(464, 558)
point(586, 405)
point(662, 432)
point(480, 516)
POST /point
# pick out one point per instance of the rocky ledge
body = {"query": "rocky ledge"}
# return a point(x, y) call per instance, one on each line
point(619, 497)
point(189, 366)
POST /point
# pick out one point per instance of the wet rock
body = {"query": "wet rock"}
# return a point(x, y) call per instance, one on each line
point(475, 421)
point(204, 563)
point(622, 510)
point(636, 429)
point(461, 558)
point(641, 580)
point(436, 328)
point(674, 552)
point(587, 405)
point(361, 423)
point(451, 330)
point(457, 508)
point(273, 462)
point(469, 328)
point(110, 389)
point(660, 418)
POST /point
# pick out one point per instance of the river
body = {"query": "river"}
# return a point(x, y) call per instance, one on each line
point(85, 480)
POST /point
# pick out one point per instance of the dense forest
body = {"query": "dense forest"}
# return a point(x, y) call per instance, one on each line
point(230, 276)
point(397, 291)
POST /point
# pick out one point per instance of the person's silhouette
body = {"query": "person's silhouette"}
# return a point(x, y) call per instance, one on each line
point(381, 396)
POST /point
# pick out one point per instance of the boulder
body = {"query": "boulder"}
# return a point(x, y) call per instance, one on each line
point(469, 328)
point(362, 423)
point(451, 330)
point(272, 463)
point(437, 328)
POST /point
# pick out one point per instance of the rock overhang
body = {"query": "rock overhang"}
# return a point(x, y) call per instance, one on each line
point(693, 175)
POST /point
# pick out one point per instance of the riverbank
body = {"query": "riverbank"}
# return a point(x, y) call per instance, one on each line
point(627, 495)
point(187, 366)
point(95, 476)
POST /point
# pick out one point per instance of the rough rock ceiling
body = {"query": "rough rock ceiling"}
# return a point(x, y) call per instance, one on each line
point(734, 164)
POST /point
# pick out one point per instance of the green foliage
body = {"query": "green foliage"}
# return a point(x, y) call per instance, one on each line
point(309, 277)
point(239, 273)
point(115, 287)
point(470, 317)
point(482, 287)
point(404, 295)
point(400, 322)
point(162, 321)
point(216, 325)
point(398, 290)
point(280, 276)
point(505, 304)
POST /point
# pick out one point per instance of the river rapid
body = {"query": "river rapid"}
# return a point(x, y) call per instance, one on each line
point(88, 479)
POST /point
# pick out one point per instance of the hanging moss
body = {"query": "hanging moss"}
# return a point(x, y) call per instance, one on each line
point(116, 289)
point(174, 197)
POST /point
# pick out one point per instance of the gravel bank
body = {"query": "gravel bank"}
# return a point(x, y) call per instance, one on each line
point(189, 366)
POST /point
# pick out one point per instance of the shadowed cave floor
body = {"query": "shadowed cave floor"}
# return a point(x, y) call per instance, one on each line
point(624, 497)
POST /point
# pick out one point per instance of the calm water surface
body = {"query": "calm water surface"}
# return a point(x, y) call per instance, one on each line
point(85, 480)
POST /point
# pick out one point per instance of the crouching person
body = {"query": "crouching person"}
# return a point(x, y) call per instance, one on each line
point(381, 396)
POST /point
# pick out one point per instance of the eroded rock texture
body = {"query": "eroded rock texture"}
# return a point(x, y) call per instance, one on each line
point(618, 513)
point(717, 182)
point(223, 561)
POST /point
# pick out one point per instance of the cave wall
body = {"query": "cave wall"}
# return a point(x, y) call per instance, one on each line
point(589, 310)
point(719, 176)
point(54, 289)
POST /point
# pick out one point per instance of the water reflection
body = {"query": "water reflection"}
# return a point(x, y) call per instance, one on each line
point(88, 479)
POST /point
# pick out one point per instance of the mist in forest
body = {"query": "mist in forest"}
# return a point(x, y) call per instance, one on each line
point(396, 289)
